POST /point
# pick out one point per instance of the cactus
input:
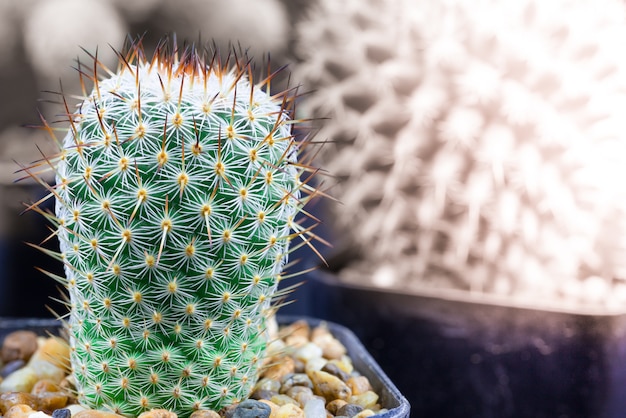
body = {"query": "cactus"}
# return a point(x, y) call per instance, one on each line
point(478, 145)
point(176, 188)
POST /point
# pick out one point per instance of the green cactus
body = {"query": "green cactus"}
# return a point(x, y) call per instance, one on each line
point(176, 188)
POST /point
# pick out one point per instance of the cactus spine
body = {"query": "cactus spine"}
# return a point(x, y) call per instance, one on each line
point(176, 187)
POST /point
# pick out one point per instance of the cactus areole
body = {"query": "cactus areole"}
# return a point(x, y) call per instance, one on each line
point(176, 187)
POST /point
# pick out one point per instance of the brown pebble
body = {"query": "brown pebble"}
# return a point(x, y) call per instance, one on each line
point(329, 386)
point(92, 413)
point(331, 347)
point(259, 394)
point(49, 401)
point(11, 399)
point(45, 386)
point(280, 367)
point(298, 328)
point(19, 411)
point(334, 406)
point(18, 345)
point(205, 413)
point(158, 413)
point(359, 384)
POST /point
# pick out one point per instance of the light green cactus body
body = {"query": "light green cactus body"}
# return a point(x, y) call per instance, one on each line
point(177, 184)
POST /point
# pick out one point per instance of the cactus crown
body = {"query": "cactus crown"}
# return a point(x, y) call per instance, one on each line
point(176, 188)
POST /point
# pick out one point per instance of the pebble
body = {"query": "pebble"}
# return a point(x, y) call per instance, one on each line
point(279, 368)
point(334, 406)
point(289, 411)
point(18, 345)
point(349, 410)
point(19, 411)
point(92, 413)
point(11, 399)
point(333, 369)
point(205, 413)
point(21, 380)
point(359, 384)
point(260, 394)
point(281, 400)
point(45, 386)
point(273, 407)
point(61, 413)
point(158, 413)
point(367, 399)
point(268, 384)
point(314, 408)
point(301, 394)
point(307, 352)
point(329, 386)
point(252, 409)
point(315, 364)
point(50, 401)
point(365, 413)
point(11, 367)
point(295, 379)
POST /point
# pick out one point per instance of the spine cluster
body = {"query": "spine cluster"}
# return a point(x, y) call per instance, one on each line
point(177, 185)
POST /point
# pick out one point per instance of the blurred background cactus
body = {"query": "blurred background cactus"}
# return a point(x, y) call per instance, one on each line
point(41, 42)
point(477, 145)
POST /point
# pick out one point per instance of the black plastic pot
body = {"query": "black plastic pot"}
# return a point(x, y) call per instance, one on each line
point(390, 396)
point(455, 355)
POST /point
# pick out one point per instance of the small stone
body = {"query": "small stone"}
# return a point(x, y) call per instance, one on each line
point(280, 367)
point(50, 401)
point(11, 367)
point(21, 380)
point(299, 366)
point(289, 411)
point(366, 399)
point(349, 410)
point(18, 345)
point(344, 364)
point(260, 394)
point(19, 411)
point(268, 384)
point(333, 369)
point(334, 406)
point(205, 413)
point(307, 352)
point(296, 332)
point(11, 399)
point(39, 414)
point(329, 386)
point(45, 386)
point(331, 347)
point(315, 364)
point(281, 400)
point(92, 413)
point(50, 361)
point(61, 413)
point(228, 411)
point(75, 408)
point(252, 409)
point(158, 413)
point(365, 413)
point(314, 408)
point(301, 394)
point(272, 406)
point(359, 384)
point(295, 379)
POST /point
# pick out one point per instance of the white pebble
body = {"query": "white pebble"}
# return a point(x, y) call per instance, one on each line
point(308, 352)
point(21, 380)
point(39, 414)
point(316, 363)
point(315, 408)
point(75, 408)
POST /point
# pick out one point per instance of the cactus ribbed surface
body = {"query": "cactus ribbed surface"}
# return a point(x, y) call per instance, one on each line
point(177, 184)
point(478, 144)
